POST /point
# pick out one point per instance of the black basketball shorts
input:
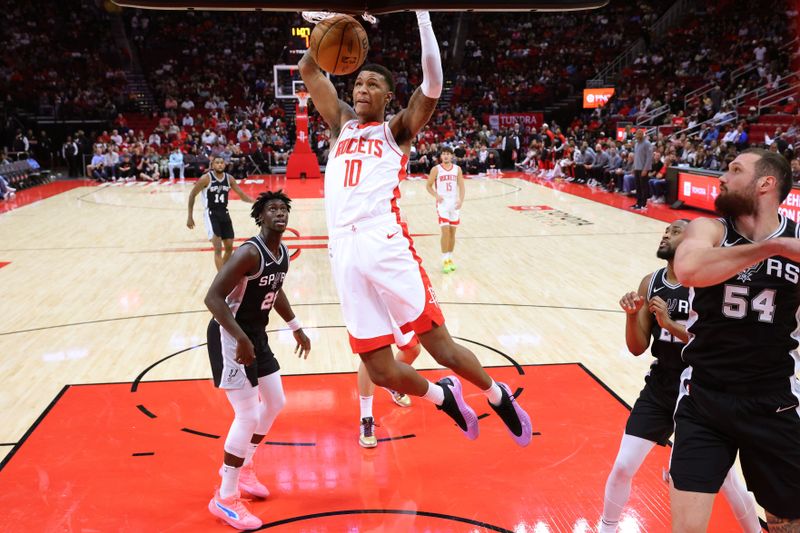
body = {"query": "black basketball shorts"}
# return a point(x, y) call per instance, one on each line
point(218, 224)
point(228, 374)
point(651, 416)
point(712, 426)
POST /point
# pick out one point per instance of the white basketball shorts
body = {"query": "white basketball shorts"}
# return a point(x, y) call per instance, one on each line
point(381, 283)
point(448, 214)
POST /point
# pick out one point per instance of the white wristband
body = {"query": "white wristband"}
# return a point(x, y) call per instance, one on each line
point(294, 324)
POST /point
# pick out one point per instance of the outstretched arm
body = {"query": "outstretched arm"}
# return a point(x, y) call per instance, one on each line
point(700, 262)
point(239, 191)
point(323, 94)
point(407, 123)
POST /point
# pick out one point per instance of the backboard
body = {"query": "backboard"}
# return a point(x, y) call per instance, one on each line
point(287, 81)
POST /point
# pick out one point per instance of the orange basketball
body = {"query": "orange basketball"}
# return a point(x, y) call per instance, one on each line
point(339, 44)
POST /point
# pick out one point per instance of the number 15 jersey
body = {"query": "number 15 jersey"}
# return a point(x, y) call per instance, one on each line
point(744, 331)
point(362, 178)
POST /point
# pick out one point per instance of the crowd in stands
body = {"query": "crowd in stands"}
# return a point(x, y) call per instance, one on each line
point(60, 59)
point(211, 75)
point(515, 62)
point(716, 44)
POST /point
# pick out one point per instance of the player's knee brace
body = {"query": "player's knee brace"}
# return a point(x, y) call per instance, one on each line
point(245, 420)
point(273, 400)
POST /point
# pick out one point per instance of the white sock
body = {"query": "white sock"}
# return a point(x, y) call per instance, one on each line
point(366, 406)
point(435, 394)
point(444, 257)
point(230, 482)
point(494, 394)
point(448, 255)
point(631, 455)
point(742, 502)
point(249, 453)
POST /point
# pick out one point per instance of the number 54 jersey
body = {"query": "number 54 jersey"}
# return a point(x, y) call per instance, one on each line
point(363, 174)
point(745, 330)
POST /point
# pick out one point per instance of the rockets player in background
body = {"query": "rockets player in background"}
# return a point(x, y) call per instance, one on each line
point(446, 184)
point(379, 277)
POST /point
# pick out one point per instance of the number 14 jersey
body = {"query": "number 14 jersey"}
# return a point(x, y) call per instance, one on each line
point(745, 330)
point(362, 178)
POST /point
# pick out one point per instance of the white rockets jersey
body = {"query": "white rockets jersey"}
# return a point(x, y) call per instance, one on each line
point(447, 182)
point(363, 175)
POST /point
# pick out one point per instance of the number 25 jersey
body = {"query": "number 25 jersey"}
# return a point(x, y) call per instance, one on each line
point(745, 329)
point(362, 178)
point(253, 297)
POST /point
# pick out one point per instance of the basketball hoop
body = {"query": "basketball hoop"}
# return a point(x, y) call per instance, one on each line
point(303, 96)
point(317, 16)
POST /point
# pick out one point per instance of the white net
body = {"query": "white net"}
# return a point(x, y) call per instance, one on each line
point(303, 97)
point(316, 16)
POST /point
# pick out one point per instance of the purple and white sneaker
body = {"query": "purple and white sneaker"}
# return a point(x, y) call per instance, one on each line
point(456, 408)
point(515, 418)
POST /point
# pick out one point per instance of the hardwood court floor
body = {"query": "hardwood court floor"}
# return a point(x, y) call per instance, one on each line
point(103, 282)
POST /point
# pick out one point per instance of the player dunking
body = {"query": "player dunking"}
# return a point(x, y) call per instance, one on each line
point(215, 186)
point(650, 421)
point(446, 184)
point(379, 278)
point(240, 298)
point(740, 391)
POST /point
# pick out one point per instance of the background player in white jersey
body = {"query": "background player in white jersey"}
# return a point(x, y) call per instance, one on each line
point(215, 185)
point(663, 318)
point(240, 298)
point(379, 278)
point(408, 351)
point(446, 184)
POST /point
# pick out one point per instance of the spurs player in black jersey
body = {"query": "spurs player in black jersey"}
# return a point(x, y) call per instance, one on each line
point(659, 310)
point(215, 186)
point(740, 391)
point(242, 363)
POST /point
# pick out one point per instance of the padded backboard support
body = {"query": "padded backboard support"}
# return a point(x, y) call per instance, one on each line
point(375, 7)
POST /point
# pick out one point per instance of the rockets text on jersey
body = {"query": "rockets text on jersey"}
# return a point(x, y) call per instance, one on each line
point(447, 181)
point(363, 174)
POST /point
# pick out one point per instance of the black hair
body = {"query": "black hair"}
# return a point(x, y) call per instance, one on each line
point(263, 198)
point(447, 149)
point(383, 71)
point(772, 164)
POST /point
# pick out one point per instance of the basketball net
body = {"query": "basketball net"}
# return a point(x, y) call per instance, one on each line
point(303, 97)
point(316, 16)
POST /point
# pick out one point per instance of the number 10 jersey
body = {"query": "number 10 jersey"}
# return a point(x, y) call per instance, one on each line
point(363, 174)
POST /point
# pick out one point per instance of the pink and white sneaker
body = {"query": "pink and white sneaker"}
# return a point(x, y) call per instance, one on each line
point(249, 483)
point(233, 512)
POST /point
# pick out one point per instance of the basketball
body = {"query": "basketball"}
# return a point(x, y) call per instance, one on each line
point(339, 44)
